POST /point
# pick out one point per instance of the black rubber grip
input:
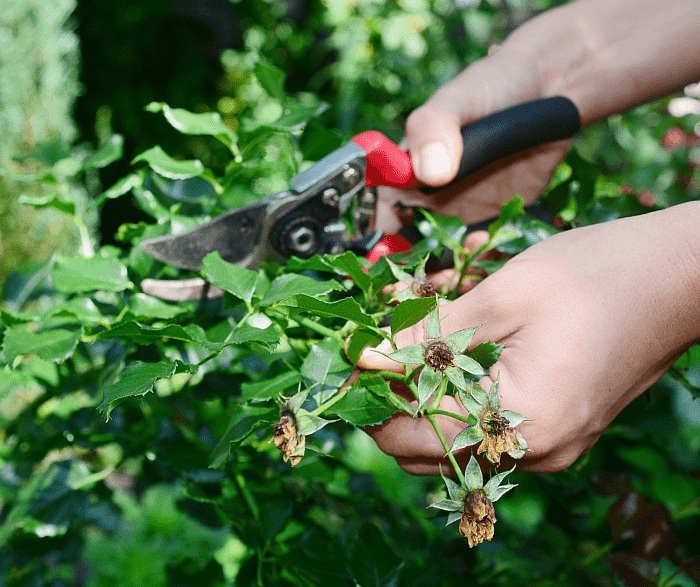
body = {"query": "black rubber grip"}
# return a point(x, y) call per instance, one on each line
point(515, 129)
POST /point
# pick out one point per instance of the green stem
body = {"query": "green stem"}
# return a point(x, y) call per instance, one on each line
point(330, 401)
point(442, 390)
point(450, 456)
point(317, 328)
point(465, 419)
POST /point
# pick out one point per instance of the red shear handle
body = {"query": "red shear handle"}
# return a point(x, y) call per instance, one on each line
point(386, 163)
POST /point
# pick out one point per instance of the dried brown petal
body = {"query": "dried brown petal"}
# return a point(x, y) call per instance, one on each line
point(286, 439)
point(438, 355)
point(478, 519)
point(498, 437)
point(424, 289)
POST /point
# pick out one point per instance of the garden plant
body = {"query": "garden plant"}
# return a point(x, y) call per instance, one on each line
point(219, 442)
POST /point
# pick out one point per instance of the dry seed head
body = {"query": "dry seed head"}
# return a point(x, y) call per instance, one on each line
point(424, 289)
point(478, 519)
point(493, 423)
point(438, 355)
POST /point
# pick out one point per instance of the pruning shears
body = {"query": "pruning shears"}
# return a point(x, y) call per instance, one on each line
point(313, 217)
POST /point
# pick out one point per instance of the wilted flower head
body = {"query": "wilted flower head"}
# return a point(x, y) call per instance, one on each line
point(472, 504)
point(495, 428)
point(478, 519)
point(419, 286)
point(287, 439)
point(441, 356)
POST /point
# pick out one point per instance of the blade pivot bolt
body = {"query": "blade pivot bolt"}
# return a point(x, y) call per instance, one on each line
point(330, 197)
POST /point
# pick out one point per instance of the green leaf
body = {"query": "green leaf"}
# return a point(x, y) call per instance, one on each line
point(50, 345)
point(454, 490)
point(470, 403)
point(460, 340)
point(272, 388)
point(271, 78)
point(509, 210)
point(308, 423)
point(359, 341)
point(80, 275)
point(494, 395)
point(346, 308)
point(361, 407)
point(467, 437)
point(288, 285)
point(325, 369)
point(137, 379)
point(119, 188)
point(456, 376)
point(479, 393)
point(379, 386)
point(82, 310)
point(189, 123)
point(432, 327)
point(410, 312)
point(469, 365)
point(236, 280)
point(372, 563)
point(493, 488)
point(514, 418)
point(138, 333)
point(448, 228)
point(145, 307)
point(295, 116)
point(245, 333)
point(472, 475)
point(448, 505)
point(349, 264)
point(246, 419)
point(428, 382)
point(52, 201)
point(108, 153)
point(317, 141)
point(409, 355)
point(165, 165)
point(486, 353)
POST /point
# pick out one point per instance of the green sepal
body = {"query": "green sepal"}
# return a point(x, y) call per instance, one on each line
point(467, 437)
point(428, 382)
point(472, 475)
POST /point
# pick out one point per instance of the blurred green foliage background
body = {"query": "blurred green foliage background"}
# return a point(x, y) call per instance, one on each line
point(74, 73)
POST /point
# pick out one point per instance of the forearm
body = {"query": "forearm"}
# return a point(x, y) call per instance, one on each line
point(610, 56)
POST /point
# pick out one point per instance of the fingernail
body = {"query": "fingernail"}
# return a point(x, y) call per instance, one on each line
point(433, 162)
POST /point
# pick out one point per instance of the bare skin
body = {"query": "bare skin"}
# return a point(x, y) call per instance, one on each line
point(589, 318)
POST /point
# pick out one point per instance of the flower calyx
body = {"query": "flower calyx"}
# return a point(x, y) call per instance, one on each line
point(295, 424)
point(494, 428)
point(441, 356)
point(419, 286)
point(472, 503)
point(287, 439)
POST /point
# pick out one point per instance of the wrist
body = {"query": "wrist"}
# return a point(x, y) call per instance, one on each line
point(609, 57)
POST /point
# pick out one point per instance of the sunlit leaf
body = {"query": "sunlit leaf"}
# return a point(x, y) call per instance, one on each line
point(288, 285)
point(467, 437)
point(80, 274)
point(410, 312)
point(50, 345)
point(360, 407)
point(137, 379)
point(346, 308)
point(236, 280)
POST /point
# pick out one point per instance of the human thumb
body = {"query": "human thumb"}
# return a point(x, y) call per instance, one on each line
point(434, 142)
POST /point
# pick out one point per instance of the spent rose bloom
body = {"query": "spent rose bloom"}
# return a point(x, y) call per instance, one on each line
point(472, 504)
point(494, 427)
point(440, 357)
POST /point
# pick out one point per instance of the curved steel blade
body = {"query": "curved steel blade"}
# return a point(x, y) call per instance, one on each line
point(236, 235)
point(181, 290)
